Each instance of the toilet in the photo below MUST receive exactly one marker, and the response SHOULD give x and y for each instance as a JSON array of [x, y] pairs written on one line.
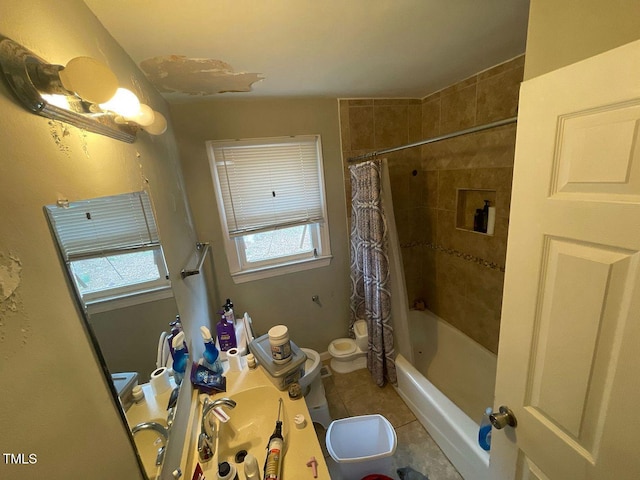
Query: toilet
[[311, 368], [347, 354], [313, 389]]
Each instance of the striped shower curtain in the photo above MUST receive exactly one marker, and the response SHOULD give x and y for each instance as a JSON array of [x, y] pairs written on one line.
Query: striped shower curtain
[[370, 283]]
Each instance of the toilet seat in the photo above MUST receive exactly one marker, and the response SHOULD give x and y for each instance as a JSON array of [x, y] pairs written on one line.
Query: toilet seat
[[342, 347]]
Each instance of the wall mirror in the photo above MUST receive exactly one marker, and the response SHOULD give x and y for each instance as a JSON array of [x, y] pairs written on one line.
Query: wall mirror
[[114, 260]]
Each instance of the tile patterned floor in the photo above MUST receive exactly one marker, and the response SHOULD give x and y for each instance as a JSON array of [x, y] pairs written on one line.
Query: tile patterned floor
[[354, 394]]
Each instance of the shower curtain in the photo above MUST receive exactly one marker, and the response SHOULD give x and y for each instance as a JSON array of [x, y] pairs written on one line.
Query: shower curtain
[[370, 282]]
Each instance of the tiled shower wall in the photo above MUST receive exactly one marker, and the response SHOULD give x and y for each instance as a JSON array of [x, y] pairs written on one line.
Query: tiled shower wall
[[456, 273]]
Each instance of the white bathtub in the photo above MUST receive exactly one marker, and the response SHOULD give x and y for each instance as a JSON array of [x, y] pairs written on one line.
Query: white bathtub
[[464, 369], [461, 366]]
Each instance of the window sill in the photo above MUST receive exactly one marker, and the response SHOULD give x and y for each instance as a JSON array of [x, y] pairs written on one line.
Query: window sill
[[128, 300], [283, 269]]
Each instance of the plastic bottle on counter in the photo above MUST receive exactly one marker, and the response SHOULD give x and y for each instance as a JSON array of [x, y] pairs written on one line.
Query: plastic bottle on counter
[[176, 327], [280, 345], [228, 312], [251, 468], [226, 471], [180, 357], [211, 355], [226, 334]]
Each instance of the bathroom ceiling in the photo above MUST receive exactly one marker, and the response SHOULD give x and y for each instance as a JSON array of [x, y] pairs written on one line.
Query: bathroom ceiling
[[327, 48]]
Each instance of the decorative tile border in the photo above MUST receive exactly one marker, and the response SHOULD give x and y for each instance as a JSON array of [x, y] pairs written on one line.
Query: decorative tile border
[[452, 251]]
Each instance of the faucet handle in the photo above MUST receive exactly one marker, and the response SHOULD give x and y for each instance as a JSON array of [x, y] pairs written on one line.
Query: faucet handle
[[204, 448], [160, 456], [170, 416]]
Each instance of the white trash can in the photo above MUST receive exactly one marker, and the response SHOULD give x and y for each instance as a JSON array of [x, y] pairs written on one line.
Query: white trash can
[[361, 445]]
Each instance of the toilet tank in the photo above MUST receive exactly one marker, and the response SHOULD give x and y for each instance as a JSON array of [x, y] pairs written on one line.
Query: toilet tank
[[362, 335]]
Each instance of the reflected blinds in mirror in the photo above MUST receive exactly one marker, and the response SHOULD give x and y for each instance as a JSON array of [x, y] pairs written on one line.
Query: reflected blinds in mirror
[[100, 226]]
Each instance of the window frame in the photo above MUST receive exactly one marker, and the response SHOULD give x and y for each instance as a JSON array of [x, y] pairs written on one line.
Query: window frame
[[123, 295], [240, 269]]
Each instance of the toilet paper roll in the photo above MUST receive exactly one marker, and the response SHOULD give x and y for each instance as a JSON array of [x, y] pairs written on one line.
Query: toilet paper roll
[[160, 381], [235, 360]]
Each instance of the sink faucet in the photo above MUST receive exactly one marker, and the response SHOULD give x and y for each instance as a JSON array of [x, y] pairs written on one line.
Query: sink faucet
[[205, 439], [156, 427]]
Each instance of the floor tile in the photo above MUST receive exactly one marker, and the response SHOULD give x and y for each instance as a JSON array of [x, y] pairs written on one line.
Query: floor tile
[[337, 408], [416, 449], [373, 399], [355, 393]]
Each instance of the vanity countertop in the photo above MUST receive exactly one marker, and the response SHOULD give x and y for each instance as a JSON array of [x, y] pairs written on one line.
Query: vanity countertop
[[152, 409], [300, 446]]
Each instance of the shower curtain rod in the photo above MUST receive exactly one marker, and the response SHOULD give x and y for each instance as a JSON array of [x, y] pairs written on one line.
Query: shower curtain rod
[[479, 128]]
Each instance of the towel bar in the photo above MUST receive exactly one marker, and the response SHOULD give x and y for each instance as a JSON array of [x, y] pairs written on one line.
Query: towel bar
[[204, 248]]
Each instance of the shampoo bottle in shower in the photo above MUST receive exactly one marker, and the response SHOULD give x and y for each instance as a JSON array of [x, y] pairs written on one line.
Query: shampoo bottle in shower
[[484, 434], [485, 216], [211, 355], [478, 220]]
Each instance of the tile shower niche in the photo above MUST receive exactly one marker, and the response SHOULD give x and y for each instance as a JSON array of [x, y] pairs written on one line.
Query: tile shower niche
[[468, 201]]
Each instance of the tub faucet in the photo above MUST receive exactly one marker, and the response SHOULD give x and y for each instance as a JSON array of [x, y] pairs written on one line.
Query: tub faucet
[[205, 439]]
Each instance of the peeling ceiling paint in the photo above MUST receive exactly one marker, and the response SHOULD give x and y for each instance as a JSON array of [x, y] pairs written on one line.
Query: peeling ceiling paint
[[196, 76], [328, 48]]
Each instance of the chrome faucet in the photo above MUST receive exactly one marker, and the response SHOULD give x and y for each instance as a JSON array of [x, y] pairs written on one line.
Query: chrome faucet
[[206, 444], [156, 427]]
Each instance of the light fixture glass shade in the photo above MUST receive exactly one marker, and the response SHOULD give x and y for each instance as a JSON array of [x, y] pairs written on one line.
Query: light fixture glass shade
[[124, 103], [90, 79], [144, 117], [159, 125]]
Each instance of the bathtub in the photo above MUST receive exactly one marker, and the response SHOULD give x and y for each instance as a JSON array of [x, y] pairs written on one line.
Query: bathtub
[[468, 371], [462, 368]]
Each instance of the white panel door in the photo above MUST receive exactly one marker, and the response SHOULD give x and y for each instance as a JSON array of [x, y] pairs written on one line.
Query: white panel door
[[569, 358]]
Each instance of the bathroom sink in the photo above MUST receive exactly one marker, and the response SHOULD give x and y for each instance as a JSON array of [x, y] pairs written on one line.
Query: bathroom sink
[[251, 424], [249, 427]]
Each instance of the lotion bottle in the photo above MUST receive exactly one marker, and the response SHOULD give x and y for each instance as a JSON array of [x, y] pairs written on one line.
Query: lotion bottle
[[226, 335]]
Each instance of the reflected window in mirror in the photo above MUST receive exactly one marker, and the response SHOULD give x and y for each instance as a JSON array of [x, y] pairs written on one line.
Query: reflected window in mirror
[[112, 248]]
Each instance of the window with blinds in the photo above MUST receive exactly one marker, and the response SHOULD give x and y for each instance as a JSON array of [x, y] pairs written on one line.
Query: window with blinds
[[271, 200], [111, 245]]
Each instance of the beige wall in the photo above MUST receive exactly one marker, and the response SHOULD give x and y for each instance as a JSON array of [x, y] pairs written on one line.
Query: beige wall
[[562, 32], [457, 273], [128, 336], [55, 402], [283, 299]]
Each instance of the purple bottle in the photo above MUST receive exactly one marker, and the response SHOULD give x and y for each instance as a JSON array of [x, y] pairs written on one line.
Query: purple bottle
[[226, 334]]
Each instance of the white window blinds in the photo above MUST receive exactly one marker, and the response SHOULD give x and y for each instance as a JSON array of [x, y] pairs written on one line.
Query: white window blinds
[[269, 183], [104, 225]]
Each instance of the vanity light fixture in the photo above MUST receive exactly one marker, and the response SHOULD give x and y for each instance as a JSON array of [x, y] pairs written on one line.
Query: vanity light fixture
[[84, 93]]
